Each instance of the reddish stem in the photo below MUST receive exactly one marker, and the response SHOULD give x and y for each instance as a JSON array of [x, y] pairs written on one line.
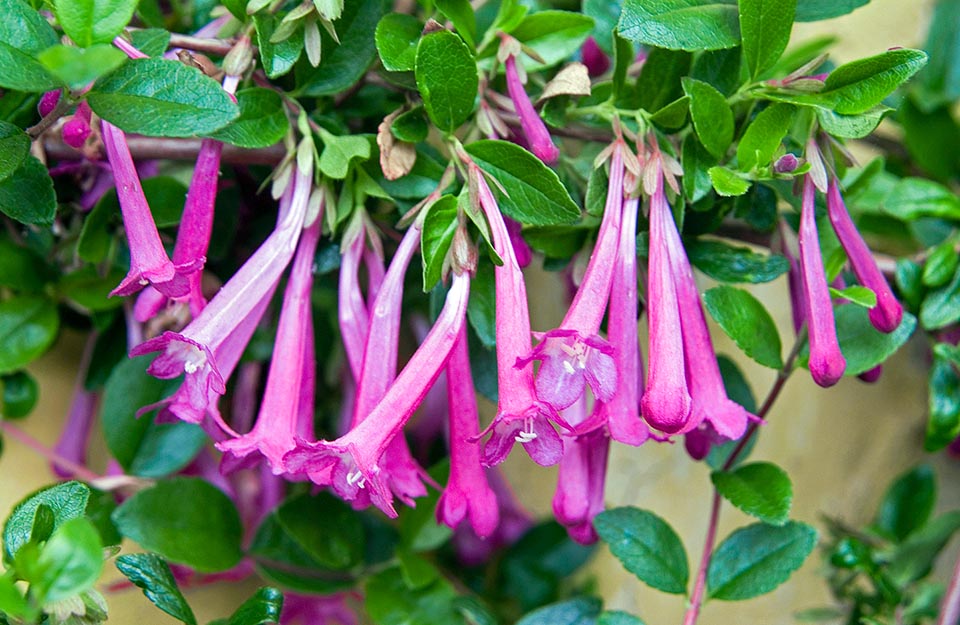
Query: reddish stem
[[79, 470]]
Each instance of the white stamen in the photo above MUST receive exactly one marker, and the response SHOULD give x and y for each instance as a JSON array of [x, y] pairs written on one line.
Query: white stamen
[[356, 477], [525, 437], [569, 367]]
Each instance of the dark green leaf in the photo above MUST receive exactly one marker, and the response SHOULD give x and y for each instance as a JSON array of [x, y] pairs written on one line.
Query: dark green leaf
[[149, 572], [397, 37], [263, 607], [185, 520], [20, 393], [681, 24], [747, 322], [760, 489], [460, 12], [554, 35], [711, 115], [27, 194], [14, 148], [325, 527], [166, 448], [816, 10], [858, 86], [417, 572], [916, 556], [719, 68], [277, 58], [755, 559], [262, 121], [151, 41], [69, 563], [22, 269], [24, 33], [438, 228], [447, 78], [389, 601], [738, 390], [941, 264], [765, 27], [343, 64], [481, 309], [943, 424], [659, 80], [940, 82], [162, 98], [28, 327], [86, 288], [696, 165], [913, 198], [411, 126], [864, 346], [763, 136], [88, 22], [536, 566], [78, 67], [908, 503], [727, 182], [672, 115], [419, 529], [67, 501], [646, 546], [535, 195], [851, 126], [726, 263], [579, 611]]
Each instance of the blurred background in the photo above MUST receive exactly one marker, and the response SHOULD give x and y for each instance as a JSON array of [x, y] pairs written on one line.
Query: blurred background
[[841, 446]]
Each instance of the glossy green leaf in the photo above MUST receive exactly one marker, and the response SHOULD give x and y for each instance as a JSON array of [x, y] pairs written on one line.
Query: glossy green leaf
[[27, 194], [646, 546], [864, 346], [28, 327], [163, 98], [681, 24], [262, 608], [89, 22], [151, 41], [856, 294], [397, 37], [764, 135], [78, 67], [262, 121], [913, 198], [24, 33], [553, 35], [711, 115], [719, 68], [851, 126], [744, 319], [941, 264], [696, 163], [659, 82], [727, 182], [535, 195], [755, 559], [765, 27], [673, 115], [411, 126], [14, 148], [943, 422], [816, 10], [447, 78], [277, 58], [726, 263], [185, 520], [151, 574], [908, 503], [343, 64], [577, 611], [438, 229], [760, 489], [66, 501], [860, 85], [325, 527], [20, 394], [70, 561], [389, 601], [461, 13]]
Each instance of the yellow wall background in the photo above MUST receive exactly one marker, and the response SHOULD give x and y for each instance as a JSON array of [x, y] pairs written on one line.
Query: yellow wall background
[[841, 446]]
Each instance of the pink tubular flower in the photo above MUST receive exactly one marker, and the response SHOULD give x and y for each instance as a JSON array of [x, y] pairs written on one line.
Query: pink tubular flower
[[209, 348], [467, 491], [535, 131], [354, 458], [317, 610], [288, 397], [666, 402], [888, 312], [351, 308], [521, 417], [827, 363], [574, 355], [149, 263]]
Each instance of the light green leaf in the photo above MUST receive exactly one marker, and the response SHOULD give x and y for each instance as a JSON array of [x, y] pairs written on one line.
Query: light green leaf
[[554, 35], [340, 151], [856, 294], [760, 489], [913, 198], [65, 501], [851, 126], [681, 24], [858, 86], [764, 135], [78, 67], [712, 116], [461, 13], [262, 121], [727, 182], [447, 78], [863, 346], [89, 22], [397, 37]]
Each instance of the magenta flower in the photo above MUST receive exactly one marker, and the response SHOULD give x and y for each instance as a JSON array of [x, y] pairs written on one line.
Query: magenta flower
[[317, 609], [289, 395], [594, 58], [354, 459], [574, 355], [534, 130], [514, 523], [827, 363], [76, 129], [666, 402], [520, 247], [352, 310], [521, 417], [467, 491], [888, 312]]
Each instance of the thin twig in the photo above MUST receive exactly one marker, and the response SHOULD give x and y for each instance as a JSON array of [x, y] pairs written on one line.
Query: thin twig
[[63, 105], [199, 44]]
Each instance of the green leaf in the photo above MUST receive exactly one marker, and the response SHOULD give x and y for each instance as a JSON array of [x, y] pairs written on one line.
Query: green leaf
[[20, 393], [28, 327], [22, 269], [78, 67], [12, 602], [277, 58], [858, 86], [764, 135], [578, 611], [69, 563], [554, 35], [151, 41], [696, 163], [447, 78], [185, 520], [27, 194], [864, 346], [727, 182], [460, 12], [14, 148], [150, 573], [535, 195], [765, 27], [913, 198], [263, 607], [681, 24], [66, 501], [659, 80], [162, 98], [859, 295], [419, 529], [672, 115], [939, 83], [481, 309], [397, 37], [438, 229], [411, 126], [941, 265], [343, 64], [851, 126], [24, 33], [915, 558], [618, 617], [760, 489], [90, 290], [816, 10], [726, 263], [340, 151], [646, 546], [943, 424], [908, 503], [165, 195], [719, 69], [711, 115], [755, 559], [744, 319], [89, 22], [262, 121], [325, 527], [389, 601]]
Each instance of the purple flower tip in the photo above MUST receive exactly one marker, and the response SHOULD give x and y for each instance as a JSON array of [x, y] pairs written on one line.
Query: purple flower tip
[[594, 58], [786, 164], [48, 102]]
